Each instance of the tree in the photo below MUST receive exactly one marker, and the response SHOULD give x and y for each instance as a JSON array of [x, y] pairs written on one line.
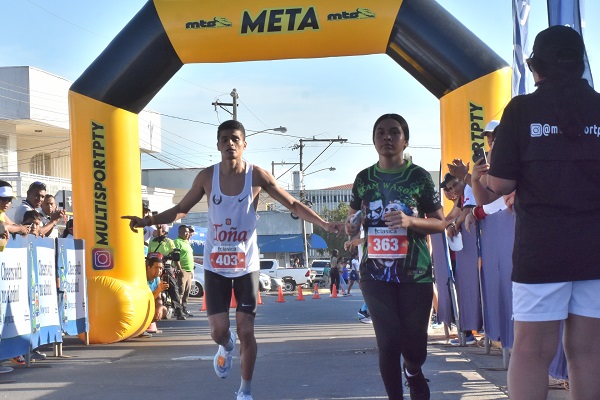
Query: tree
[[333, 240]]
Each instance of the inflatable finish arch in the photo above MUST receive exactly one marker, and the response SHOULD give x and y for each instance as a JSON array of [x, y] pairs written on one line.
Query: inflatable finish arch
[[471, 81]]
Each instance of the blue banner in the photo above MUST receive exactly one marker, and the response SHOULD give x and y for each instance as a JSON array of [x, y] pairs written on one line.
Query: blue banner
[[73, 306], [568, 13], [15, 321], [45, 323], [520, 10]]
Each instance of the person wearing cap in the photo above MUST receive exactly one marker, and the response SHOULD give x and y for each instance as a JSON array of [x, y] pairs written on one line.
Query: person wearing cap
[[9, 226], [231, 256], [547, 147], [184, 266]]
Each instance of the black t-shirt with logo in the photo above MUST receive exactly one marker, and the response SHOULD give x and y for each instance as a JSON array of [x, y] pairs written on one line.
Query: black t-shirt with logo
[[557, 203], [377, 191]]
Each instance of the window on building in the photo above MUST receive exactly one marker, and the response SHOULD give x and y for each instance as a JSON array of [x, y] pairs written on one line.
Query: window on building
[[3, 153], [40, 164]]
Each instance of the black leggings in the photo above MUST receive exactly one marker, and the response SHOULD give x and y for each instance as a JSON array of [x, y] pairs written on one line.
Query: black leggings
[[335, 280], [400, 315]]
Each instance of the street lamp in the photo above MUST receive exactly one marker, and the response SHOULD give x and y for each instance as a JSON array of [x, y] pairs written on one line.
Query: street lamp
[[281, 129], [319, 170]]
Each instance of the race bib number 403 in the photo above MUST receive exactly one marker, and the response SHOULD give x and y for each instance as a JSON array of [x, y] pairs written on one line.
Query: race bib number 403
[[227, 258], [387, 243]]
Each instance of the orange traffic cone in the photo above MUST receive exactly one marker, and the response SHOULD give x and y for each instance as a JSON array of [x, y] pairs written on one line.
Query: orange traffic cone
[[316, 296], [333, 294], [300, 294], [203, 302], [280, 298], [259, 301], [233, 303]]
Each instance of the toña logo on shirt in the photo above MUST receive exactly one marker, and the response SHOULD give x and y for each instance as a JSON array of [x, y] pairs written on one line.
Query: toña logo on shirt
[[230, 236]]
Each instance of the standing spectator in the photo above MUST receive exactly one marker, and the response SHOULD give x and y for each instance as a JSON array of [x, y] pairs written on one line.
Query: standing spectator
[[231, 255], [149, 231], [334, 272], [184, 266], [34, 200], [68, 232], [154, 270], [395, 196], [50, 217], [548, 148], [354, 264], [6, 197], [160, 243], [33, 220], [464, 203], [35, 196], [343, 269]]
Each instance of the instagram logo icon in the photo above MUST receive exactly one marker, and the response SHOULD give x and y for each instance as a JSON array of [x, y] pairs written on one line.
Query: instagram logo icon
[[102, 258]]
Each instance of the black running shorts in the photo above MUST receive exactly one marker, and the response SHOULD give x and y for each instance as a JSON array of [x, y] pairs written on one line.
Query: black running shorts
[[217, 292]]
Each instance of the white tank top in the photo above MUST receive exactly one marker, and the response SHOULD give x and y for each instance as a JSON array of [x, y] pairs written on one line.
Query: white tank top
[[231, 247]]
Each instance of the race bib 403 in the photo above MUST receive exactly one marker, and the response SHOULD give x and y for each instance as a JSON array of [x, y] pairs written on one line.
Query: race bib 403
[[387, 243], [227, 258]]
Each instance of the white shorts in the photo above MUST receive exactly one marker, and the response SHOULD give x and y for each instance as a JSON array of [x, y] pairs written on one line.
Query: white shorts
[[535, 302]]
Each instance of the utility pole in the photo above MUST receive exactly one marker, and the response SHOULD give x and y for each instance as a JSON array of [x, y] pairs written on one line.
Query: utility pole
[[233, 104], [301, 167]]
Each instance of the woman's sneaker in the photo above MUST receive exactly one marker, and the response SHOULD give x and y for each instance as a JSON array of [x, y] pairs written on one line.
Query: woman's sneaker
[[223, 358], [469, 340], [419, 389]]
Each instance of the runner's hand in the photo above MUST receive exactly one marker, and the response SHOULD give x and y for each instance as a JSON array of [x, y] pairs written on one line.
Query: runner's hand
[[134, 222], [397, 219]]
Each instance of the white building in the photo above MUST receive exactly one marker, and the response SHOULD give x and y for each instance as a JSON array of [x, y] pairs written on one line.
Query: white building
[[34, 133]]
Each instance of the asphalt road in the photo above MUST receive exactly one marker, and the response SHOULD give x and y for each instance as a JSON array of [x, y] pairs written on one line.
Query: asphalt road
[[312, 349]]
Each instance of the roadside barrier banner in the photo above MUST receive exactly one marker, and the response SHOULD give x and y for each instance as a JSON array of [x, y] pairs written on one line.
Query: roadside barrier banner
[[442, 276], [467, 283], [45, 322], [15, 320], [497, 239], [73, 288]]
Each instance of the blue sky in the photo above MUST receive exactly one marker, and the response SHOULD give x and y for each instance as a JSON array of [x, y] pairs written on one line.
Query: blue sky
[[321, 98]]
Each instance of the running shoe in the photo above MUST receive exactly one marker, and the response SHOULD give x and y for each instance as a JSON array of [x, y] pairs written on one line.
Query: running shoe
[[366, 320], [244, 396], [469, 340], [419, 389], [222, 361], [37, 355], [19, 360]]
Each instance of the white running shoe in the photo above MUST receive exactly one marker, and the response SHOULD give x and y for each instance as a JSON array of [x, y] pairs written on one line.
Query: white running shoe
[[244, 396], [222, 360], [366, 320]]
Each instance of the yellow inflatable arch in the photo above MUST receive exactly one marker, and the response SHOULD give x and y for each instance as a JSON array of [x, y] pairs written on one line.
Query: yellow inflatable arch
[[471, 81]]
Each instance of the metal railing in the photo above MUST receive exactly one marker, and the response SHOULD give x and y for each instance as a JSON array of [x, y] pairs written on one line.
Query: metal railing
[[20, 182]]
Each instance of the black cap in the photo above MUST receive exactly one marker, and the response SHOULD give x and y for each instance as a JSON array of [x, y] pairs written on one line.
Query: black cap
[[447, 179], [557, 45]]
